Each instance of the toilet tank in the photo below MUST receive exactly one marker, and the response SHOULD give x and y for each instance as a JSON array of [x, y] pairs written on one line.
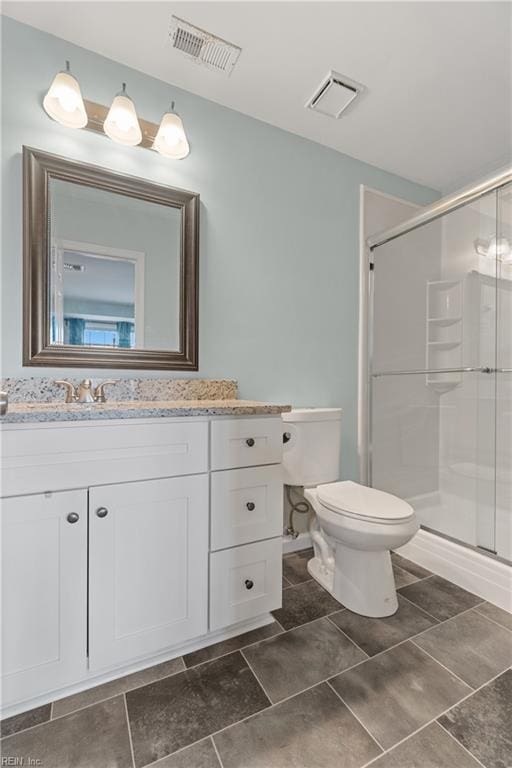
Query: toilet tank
[[311, 446]]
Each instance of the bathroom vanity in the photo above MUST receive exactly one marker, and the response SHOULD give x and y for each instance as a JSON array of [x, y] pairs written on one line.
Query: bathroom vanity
[[127, 540]]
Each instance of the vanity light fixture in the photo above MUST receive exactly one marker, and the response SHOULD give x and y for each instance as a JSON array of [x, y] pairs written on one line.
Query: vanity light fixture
[[119, 122], [64, 102], [498, 248], [122, 123], [171, 140]]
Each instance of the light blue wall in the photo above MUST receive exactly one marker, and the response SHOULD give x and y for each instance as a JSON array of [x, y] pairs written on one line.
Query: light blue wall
[[279, 227]]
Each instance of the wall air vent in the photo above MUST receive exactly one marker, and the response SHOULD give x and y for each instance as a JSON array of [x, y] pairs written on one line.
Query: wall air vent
[[334, 95], [202, 47]]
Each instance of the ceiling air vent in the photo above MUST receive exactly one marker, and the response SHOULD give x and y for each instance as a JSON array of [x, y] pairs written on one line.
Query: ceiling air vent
[[202, 47], [334, 95]]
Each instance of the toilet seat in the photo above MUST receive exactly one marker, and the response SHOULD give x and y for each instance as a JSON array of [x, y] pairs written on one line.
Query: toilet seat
[[349, 499]]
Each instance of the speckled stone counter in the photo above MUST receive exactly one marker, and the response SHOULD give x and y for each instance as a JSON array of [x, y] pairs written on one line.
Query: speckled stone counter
[[149, 409], [38, 389]]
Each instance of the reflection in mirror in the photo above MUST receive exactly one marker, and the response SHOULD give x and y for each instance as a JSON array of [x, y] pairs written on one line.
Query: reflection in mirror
[[114, 269]]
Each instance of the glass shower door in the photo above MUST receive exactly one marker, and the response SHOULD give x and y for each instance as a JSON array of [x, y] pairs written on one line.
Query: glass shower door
[[433, 409], [504, 375]]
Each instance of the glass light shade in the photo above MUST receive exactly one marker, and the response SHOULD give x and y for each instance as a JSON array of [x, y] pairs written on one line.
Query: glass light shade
[[499, 247], [495, 248], [64, 102], [171, 140], [121, 123]]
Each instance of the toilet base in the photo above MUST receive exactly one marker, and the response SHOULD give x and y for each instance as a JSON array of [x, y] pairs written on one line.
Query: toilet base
[[364, 583]]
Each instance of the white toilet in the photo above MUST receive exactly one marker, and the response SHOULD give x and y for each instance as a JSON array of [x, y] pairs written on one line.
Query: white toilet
[[355, 527]]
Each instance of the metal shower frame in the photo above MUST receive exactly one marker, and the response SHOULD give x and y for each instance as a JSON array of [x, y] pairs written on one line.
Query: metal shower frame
[[430, 213]]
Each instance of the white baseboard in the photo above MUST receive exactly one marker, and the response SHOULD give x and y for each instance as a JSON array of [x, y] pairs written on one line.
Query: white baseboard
[[303, 541], [486, 577]]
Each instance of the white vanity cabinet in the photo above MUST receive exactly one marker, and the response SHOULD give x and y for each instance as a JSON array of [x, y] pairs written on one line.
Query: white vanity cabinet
[[148, 567], [172, 542], [44, 592]]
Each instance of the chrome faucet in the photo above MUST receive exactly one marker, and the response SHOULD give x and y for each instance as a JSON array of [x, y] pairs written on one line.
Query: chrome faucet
[[4, 403], [84, 392]]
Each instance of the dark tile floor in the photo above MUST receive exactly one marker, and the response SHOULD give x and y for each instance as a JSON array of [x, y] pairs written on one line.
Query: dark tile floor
[[321, 687]]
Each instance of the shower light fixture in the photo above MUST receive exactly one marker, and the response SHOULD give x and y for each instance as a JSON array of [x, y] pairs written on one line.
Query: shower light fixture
[[122, 123], [495, 248], [171, 140], [64, 102]]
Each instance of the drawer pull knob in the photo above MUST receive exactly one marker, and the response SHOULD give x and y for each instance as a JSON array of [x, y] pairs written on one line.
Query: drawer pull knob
[[250, 441], [249, 583], [251, 506], [287, 437], [102, 512], [73, 517]]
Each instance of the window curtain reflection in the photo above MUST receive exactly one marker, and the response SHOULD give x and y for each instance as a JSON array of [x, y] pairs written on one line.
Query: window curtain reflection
[[124, 332], [74, 328]]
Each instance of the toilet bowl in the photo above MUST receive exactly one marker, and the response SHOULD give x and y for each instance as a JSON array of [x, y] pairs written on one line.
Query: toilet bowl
[[353, 532]]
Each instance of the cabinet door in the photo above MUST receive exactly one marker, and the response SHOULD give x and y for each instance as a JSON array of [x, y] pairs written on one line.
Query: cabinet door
[[44, 593], [148, 567]]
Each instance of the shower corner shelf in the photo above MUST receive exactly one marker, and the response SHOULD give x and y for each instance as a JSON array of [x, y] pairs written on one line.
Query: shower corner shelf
[[443, 385], [443, 347]]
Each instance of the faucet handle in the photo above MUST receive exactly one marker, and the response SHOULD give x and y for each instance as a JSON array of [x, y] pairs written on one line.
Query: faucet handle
[[99, 392], [71, 396]]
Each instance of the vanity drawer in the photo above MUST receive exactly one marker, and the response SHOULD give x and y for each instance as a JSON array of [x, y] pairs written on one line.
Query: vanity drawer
[[246, 505], [54, 457], [245, 582], [246, 442]]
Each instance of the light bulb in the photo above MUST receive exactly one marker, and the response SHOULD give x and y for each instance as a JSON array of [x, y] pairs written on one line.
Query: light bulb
[[64, 102], [495, 248], [121, 123], [171, 140]]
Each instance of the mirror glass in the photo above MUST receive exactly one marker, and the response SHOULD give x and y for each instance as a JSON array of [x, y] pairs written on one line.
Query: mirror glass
[[115, 269]]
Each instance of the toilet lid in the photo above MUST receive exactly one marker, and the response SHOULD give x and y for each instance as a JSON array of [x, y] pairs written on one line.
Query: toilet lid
[[355, 500]]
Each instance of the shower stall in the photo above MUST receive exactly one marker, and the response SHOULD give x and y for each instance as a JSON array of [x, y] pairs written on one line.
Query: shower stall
[[440, 366]]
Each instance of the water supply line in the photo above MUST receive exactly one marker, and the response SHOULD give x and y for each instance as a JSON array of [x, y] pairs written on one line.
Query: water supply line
[[302, 506]]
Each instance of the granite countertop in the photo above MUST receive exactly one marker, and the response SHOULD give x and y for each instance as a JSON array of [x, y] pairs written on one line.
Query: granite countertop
[[135, 409]]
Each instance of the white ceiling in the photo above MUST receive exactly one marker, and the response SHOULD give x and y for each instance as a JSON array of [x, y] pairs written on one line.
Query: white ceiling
[[437, 108]]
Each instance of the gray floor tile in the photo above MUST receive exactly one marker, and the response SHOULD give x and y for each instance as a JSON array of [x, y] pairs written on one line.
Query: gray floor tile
[[375, 635], [402, 578], [305, 602], [95, 736], [482, 723], [232, 644], [301, 657], [430, 748], [286, 583], [496, 614], [397, 692], [471, 646], [115, 687], [25, 720], [295, 566], [311, 730], [200, 755], [409, 566], [439, 597], [179, 710]]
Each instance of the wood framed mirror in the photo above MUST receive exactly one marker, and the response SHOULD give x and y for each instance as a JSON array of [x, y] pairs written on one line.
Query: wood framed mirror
[[110, 274]]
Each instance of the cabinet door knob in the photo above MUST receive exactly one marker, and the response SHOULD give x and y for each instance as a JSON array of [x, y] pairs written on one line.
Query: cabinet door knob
[[102, 512], [251, 506], [250, 441], [73, 517], [249, 584]]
